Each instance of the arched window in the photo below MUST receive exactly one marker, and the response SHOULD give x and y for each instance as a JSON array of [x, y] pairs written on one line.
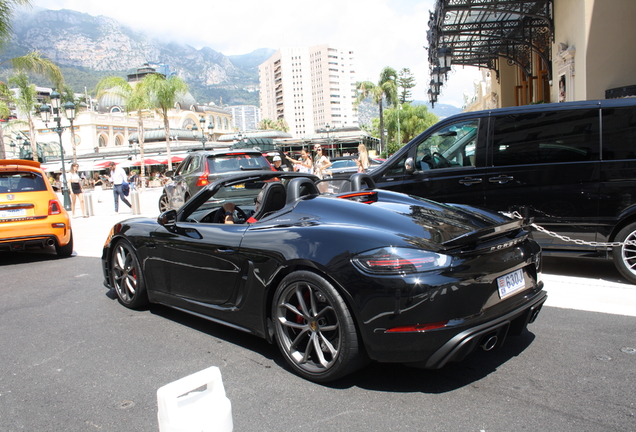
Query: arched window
[[118, 140], [103, 141], [218, 122]]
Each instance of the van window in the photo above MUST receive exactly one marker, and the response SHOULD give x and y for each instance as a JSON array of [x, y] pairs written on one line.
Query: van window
[[451, 146], [619, 133], [546, 137]]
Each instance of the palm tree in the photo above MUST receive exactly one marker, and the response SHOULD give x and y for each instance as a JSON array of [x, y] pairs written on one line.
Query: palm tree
[[135, 98], [32, 62], [386, 89], [163, 94], [267, 124], [26, 101]]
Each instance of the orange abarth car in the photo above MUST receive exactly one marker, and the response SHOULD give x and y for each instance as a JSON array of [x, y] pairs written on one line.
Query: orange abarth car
[[31, 214]]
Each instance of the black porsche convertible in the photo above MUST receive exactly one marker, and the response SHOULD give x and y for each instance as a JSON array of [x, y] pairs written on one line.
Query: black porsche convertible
[[336, 272]]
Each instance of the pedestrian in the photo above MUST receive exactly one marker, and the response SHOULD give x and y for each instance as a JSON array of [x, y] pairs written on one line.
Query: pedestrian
[[118, 177], [304, 164], [77, 192], [363, 158], [321, 163], [99, 186], [277, 163]]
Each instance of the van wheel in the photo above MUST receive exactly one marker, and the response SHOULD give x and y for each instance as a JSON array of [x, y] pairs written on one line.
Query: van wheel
[[625, 256]]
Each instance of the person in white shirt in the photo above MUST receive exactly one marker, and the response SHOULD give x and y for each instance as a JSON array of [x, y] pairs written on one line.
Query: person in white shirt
[[118, 177]]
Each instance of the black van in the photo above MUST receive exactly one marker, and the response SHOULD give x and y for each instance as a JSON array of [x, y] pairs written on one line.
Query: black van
[[571, 166]]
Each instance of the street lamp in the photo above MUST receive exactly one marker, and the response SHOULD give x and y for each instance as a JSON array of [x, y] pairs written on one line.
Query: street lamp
[[329, 150], [133, 146], [45, 113]]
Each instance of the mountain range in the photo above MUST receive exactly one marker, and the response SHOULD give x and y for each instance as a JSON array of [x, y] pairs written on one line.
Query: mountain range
[[88, 48]]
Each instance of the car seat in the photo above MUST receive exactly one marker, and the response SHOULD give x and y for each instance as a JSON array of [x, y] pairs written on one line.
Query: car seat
[[300, 187], [272, 198]]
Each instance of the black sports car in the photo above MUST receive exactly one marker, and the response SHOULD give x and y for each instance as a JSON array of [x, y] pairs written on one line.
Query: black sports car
[[335, 278]]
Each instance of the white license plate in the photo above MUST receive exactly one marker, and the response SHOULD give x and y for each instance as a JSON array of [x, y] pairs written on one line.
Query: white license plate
[[510, 283], [12, 213]]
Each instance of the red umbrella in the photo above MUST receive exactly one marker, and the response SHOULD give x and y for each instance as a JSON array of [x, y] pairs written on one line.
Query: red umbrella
[[147, 161], [102, 164], [174, 159]]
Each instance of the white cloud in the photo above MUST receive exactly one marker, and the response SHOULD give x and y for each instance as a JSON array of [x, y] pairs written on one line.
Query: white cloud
[[380, 32]]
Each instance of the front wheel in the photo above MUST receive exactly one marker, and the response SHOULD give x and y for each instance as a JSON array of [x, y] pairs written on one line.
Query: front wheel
[[625, 255], [128, 279], [314, 329]]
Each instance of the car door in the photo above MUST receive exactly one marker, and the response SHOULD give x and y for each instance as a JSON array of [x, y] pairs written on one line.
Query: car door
[[548, 162], [448, 164], [200, 262], [618, 169]]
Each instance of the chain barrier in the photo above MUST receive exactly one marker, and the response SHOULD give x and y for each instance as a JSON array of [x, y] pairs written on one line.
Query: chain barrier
[[565, 238]]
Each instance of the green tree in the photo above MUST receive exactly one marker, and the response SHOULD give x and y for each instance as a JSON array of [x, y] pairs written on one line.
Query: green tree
[[267, 124], [26, 101], [163, 94], [32, 62], [135, 99], [406, 81], [385, 90], [282, 125], [413, 120]]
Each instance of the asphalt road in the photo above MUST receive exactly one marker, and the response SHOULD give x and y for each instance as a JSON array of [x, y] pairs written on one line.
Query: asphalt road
[[74, 359]]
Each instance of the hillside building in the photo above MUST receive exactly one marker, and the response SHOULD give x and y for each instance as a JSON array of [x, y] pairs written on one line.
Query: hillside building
[[245, 117], [310, 88]]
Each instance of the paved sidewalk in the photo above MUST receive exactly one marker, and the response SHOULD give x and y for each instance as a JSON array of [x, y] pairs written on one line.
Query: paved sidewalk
[[566, 289], [89, 234]]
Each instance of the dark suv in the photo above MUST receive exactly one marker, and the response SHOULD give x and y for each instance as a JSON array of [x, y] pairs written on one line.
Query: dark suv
[[203, 167], [571, 166]]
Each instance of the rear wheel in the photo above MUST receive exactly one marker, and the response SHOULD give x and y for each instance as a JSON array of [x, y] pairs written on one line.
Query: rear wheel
[[164, 203], [128, 279], [625, 256], [66, 250], [314, 329]]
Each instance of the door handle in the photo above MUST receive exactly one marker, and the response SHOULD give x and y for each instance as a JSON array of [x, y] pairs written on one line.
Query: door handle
[[501, 179], [225, 250], [467, 181]]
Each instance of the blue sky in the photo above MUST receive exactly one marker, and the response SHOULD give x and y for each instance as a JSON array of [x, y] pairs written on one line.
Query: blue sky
[[380, 32]]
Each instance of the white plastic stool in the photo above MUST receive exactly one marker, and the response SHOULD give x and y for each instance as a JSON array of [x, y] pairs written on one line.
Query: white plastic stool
[[196, 403]]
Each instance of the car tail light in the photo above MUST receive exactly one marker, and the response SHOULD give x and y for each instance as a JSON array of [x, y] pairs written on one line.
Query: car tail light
[[54, 207], [203, 178], [396, 261], [366, 197], [418, 327]]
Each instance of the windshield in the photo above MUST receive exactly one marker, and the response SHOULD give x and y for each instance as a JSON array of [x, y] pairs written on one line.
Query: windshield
[[236, 162], [21, 182]]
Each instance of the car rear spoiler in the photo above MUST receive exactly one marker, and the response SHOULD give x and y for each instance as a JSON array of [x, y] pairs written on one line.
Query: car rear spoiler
[[485, 234]]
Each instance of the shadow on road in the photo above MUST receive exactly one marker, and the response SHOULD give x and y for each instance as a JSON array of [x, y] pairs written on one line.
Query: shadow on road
[[591, 268], [387, 377]]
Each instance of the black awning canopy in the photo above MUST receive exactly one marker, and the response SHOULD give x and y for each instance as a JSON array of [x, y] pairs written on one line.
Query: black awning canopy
[[480, 32]]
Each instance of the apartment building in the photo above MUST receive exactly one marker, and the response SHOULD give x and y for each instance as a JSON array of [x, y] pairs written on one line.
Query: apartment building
[[309, 87], [245, 117]]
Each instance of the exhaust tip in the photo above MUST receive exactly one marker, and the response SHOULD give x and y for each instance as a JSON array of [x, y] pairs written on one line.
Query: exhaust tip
[[50, 242], [489, 343]]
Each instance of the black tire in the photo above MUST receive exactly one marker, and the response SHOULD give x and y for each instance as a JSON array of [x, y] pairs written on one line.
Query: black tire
[[128, 278], [625, 256], [66, 250], [164, 203], [314, 330]]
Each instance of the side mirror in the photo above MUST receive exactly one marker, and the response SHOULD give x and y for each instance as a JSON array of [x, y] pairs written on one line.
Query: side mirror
[[169, 174], [168, 219], [409, 165]]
